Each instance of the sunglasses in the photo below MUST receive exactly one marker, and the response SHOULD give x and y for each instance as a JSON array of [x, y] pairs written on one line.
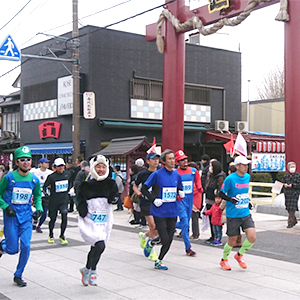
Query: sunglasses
[[60, 166], [24, 159]]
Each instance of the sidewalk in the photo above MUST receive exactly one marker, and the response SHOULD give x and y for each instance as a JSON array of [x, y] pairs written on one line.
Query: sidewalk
[[124, 272]]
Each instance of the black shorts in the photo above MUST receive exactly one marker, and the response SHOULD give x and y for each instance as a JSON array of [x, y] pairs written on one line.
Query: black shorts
[[145, 205], [234, 225], [54, 209]]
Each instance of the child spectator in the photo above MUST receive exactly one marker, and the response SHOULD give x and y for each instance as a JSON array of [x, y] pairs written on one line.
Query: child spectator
[[216, 212]]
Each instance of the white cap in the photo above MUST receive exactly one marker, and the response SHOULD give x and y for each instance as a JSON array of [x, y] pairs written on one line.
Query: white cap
[[139, 162], [59, 161], [241, 160]]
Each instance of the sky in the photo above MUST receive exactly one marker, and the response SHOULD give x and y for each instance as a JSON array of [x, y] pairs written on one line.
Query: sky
[[260, 38]]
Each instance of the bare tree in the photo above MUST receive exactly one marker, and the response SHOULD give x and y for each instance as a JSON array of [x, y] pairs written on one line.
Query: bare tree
[[272, 86]]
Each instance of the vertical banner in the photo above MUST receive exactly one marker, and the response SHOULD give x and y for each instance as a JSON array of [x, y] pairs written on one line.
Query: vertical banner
[[89, 105]]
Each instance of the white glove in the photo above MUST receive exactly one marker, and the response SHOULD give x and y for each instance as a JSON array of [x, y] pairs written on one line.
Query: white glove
[[157, 202], [72, 192], [181, 194]]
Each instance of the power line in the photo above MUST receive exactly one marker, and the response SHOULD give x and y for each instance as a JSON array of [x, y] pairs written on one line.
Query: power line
[[126, 19], [15, 14], [89, 15]]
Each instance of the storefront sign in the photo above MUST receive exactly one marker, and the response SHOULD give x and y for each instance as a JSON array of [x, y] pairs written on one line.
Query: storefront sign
[[65, 95], [268, 162], [49, 129], [89, 106]]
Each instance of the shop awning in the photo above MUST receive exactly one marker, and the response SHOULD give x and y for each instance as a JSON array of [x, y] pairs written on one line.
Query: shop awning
[[145, 125], [51, 148], [124, 146]]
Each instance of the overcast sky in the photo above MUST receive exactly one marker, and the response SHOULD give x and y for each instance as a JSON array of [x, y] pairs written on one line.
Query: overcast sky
[[259, 38]]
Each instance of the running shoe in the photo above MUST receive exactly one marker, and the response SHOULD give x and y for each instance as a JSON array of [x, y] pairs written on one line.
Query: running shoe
[[225, 265], [50, 240], [85, 276], [63, 240], [93, 277], [142, 240], [194, 238], [240, 259], [190, 252], [216, 243], [148, 248], [153, 256], [210, 240], [160, 266], [19, 281], [39, 230]]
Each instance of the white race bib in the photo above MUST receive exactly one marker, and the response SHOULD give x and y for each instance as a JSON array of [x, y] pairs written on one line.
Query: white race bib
[[169, 194], [21, 195], [99, 217], [61, 186], [243, 200], [187, 187]]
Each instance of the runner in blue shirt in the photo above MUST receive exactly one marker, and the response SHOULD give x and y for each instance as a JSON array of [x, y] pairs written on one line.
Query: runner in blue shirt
[[235, 191], [166, 185]]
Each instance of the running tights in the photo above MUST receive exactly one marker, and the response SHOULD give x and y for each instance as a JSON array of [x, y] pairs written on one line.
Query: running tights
[[94, 255], [165, 228], [63, 225]]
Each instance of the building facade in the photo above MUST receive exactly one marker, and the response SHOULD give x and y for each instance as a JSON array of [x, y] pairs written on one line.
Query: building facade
[[125, 73]]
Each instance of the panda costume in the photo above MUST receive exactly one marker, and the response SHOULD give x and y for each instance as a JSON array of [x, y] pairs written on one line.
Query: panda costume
[[95, 218]]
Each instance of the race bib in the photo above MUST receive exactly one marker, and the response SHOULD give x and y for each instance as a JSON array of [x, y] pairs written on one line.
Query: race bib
[[187, 187], [21, 195], [169, 194], [243, 200], [61, 186], [99, 217]]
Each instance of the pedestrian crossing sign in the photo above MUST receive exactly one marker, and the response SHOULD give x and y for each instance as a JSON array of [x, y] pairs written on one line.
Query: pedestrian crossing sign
[[9, 50]]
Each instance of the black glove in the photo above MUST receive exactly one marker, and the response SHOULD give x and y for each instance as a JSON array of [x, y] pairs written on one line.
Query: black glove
[[233, 200], [37, 214], [10, 212]]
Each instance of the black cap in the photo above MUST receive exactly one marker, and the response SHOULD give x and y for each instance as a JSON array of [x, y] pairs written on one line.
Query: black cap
[[205, 157]]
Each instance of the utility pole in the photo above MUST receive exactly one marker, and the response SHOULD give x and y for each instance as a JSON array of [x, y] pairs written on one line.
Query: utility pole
[[76, 85]]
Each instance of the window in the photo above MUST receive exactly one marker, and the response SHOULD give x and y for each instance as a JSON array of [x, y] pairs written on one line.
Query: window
[[11, 121], [149, 89]]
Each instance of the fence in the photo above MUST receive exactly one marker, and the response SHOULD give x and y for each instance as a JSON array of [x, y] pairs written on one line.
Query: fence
[[261, 200]]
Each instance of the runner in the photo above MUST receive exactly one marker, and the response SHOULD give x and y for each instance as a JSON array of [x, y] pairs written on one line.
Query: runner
[[16, 190], [59, 185], [95, 218], [190, 178], [145, 204], [166, 185], [42, 173], [235, 191]]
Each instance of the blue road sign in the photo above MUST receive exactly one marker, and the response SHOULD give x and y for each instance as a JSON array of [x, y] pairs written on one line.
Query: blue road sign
[[9, 50]]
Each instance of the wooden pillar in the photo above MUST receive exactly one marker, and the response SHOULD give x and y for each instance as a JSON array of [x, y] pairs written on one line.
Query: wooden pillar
[[173, 84], [292, 86]]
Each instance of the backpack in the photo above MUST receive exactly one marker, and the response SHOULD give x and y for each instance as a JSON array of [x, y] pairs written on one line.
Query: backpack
[[123, 180]]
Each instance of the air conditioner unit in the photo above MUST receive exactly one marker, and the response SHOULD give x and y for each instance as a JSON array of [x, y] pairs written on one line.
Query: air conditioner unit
[[241, 126], [221, 125]]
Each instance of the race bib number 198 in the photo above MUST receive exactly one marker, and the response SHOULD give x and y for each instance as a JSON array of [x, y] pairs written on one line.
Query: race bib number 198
[[21, 195]]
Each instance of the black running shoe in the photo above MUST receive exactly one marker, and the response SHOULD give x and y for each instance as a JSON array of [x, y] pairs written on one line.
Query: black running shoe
[[19, 281]]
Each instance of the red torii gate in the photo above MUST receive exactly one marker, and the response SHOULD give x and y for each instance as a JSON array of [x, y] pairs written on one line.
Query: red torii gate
[[174, 71]]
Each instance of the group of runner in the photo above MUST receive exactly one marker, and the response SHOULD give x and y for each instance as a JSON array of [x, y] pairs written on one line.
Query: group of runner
[[164, 195]]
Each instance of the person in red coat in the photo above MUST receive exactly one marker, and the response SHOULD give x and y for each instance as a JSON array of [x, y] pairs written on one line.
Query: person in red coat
[[216, 214]]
